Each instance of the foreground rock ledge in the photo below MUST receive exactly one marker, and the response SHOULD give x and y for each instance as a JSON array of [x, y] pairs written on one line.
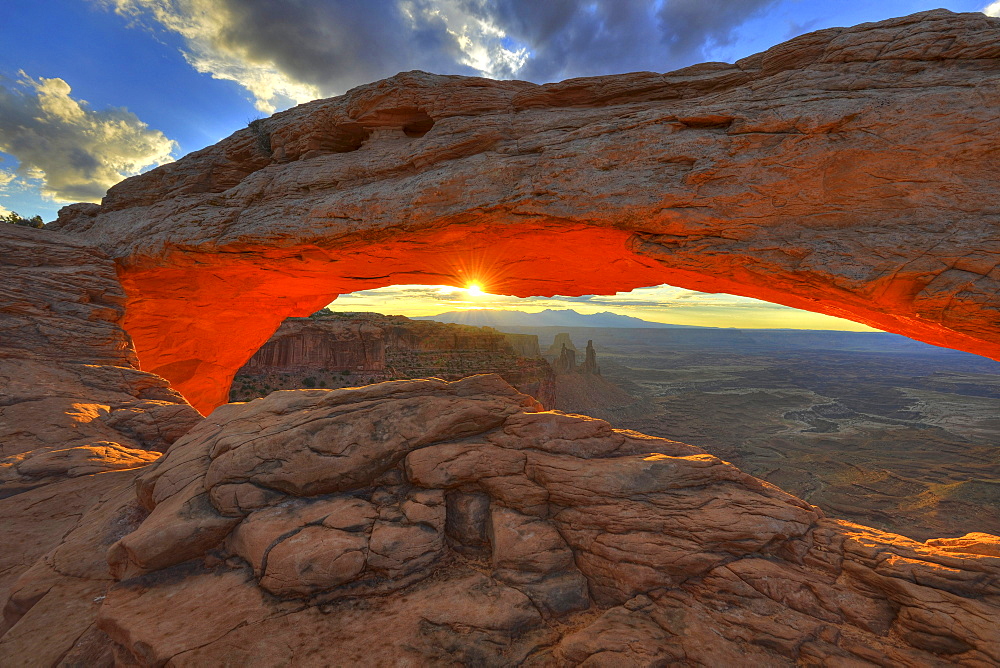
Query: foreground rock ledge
[[849, 171], [424, 522]]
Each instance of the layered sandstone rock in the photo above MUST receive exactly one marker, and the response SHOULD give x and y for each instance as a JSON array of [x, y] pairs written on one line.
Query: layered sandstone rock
[[329, 343], [524, 345], [77, 421], [428, 522], [345, 350], [849, 171], [73, 401], [566, 363], [425, 522]]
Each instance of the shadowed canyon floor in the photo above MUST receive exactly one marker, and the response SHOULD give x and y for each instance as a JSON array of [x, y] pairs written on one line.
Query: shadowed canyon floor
[[870, 427]]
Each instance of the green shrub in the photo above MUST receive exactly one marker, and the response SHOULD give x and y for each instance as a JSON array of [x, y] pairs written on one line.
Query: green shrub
[[15, 219]]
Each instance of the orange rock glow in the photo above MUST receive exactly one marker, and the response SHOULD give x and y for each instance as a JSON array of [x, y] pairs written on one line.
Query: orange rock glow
[[197, 325], [824, 174]]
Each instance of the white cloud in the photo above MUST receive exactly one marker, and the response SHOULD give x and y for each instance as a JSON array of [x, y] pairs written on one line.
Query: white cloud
[[206, 27], [71, 151], [5, 180], [285, 53], [992, 9], [479, 38]]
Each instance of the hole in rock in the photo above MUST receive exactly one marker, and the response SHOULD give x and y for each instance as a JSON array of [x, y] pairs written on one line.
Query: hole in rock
[[872, 427], [418, 127], [709, 122], [342, 139]]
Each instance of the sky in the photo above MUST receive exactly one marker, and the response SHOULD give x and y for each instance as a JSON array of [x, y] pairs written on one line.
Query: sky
[[94, 91], [660, 303]]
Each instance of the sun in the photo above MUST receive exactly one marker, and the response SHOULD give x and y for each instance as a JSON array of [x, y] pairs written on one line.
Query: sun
[[474, 289]]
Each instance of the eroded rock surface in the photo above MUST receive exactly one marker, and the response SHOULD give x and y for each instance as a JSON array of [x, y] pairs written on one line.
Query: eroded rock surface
[[78, 420], [72, 399], [474, 528], [849, 171]]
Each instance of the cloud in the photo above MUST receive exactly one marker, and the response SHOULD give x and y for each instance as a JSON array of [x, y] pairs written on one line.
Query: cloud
[[284, 53], [71, 151], [992, 9], [291, 52], [572, 39]]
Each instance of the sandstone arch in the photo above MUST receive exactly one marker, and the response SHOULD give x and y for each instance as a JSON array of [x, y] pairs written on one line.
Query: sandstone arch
[[851, 172]]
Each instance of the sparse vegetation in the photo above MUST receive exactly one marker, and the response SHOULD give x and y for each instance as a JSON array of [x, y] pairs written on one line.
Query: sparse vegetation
[[15, 219], [261, 135]]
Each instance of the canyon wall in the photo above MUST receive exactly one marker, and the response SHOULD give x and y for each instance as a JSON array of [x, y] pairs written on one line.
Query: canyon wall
[[73, 401], [848, 171], [337, 345], [344, 350]]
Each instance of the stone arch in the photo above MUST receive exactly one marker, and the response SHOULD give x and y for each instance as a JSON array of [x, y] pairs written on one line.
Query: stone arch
[[822, 174]]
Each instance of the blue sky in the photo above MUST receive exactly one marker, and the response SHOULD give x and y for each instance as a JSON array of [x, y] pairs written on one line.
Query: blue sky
[[93, 91]]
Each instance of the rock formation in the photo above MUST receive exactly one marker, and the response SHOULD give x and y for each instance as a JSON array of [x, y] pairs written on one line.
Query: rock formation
[[590, 366], [429, 522], [524, 345], [73, 400], [350, 349], [849, 171], [562, 340], [453, 522], [335, 344], [566, 362], [78, 420]]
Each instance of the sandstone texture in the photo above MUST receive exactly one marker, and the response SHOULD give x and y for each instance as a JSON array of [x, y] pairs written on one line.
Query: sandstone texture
[[423, 522], [332, 350], [78, 420], [849, 171], [428, 522], [73, 400]]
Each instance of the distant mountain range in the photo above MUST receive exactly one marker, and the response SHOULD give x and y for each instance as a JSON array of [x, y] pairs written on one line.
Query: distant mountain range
[[547, 318]]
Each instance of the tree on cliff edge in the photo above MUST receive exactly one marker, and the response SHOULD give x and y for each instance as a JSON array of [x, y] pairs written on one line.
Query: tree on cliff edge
[[14, 218]]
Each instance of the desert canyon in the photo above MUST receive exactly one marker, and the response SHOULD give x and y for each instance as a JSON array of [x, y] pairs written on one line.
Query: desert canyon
[[849, 171]]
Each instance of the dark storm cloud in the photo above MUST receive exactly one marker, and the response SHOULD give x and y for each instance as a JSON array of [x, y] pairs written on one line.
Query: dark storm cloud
[[338, 45], [291, 51], [571, 39]]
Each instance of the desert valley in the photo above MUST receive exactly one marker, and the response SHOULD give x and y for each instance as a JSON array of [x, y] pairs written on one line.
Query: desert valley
[[200, 465]]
